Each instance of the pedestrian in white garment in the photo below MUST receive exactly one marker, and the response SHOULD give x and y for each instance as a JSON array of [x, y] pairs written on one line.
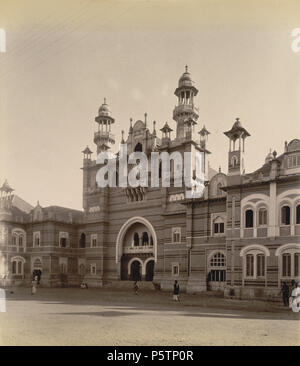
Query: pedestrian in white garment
[[296, 298], [2, 301]]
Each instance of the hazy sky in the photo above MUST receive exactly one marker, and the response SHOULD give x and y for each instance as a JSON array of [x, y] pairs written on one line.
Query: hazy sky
[[62, 60]]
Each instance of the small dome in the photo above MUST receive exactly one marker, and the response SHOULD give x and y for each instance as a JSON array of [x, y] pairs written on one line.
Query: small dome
[[104, 109], [269, 157], [185, 79]]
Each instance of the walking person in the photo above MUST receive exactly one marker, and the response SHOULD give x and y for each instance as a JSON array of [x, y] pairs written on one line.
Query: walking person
[[285, 291], [135, 287], [34, 285], [176, 291]]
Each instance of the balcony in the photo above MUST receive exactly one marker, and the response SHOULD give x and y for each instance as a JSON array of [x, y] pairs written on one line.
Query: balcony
[[104, 135], [185, 108], [138, 249]]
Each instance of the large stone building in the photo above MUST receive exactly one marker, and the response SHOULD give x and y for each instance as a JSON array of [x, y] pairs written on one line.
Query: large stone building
[[242, 236]]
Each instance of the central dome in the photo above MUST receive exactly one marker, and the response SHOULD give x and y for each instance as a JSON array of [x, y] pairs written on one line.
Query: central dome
[[104, 109]]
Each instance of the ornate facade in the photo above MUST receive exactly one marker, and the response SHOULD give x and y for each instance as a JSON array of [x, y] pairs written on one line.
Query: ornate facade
[[241, 237]]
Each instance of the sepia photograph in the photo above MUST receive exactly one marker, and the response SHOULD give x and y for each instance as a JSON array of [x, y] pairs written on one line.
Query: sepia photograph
[[149, 175]]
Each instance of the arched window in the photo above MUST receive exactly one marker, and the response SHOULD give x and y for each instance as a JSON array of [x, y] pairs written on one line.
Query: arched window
[[138, 147], [145, 239], [82, 240], [286, 264], [136, 240], [218, 260], [289, 260], [36, 239], [217, 268], [14, 239], [218, 226], [17, 265], [63, 239], [234, 160], [262, 217], [249, 218], [298, 214], [285, 215], [250, 265], [255, 265]]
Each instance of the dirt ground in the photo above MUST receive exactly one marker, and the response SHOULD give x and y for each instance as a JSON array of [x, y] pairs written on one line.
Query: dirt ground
[[110, 317]]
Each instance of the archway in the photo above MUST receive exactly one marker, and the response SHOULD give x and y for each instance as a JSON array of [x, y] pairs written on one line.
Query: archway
[[150, 270], [136, 271]]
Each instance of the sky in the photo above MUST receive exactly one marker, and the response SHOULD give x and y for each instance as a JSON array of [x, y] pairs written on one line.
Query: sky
[[63, 57]]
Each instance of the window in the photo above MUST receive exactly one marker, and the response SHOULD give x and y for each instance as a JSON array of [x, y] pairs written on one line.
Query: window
[[82, 240], [286, 265], [17, 266], [136, 240], [249, 218], [176, 234], [297, 264], [285, 215], [249, 265], [293, 161], [254, 263], [36, 239], [145, 239], [93, 240], [218, 260], [260, 263], [289, 261], [262, 217], [151, 240], [234, 160], [175, 269], [217, 268], [219, 228], [14, 239], [93, 269], [63, 239], [298, 214]]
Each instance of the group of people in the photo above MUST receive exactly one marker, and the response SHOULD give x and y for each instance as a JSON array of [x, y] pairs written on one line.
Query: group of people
[[291, 295]]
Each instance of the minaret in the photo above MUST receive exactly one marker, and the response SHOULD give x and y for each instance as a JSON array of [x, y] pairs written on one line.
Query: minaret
[[185, 110], [237, 136], [103, 138]]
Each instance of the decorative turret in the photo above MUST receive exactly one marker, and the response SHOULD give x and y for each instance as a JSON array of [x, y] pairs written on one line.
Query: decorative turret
[[269, 157], [6, 198], [185, 110], [203, 137], [103, 138], [166, 133], [236, 151]]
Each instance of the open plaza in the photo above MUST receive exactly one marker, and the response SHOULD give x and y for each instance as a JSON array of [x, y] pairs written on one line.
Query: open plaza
[[118, 317]]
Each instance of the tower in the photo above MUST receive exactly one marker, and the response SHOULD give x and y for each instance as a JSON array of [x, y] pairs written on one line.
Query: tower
[[103, 138], [237, 136], [185, 109]]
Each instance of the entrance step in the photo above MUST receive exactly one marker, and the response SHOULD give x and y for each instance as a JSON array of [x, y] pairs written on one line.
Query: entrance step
[[143, 285]]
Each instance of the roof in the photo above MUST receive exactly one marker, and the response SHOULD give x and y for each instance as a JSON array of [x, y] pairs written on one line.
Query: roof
[[237, 130], [6, 187]]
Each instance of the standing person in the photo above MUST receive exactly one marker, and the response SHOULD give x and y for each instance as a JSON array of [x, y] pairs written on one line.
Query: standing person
[[33, 285], [136, 287], [296, 298], [285, 294], [176, 291]]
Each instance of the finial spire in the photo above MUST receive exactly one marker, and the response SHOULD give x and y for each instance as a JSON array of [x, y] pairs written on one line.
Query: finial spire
[[122, 136], [186, 68], [145, 119]]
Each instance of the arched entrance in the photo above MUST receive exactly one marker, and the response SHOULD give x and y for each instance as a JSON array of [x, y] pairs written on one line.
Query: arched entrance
[[136, 271], [150, 270], [136, 250]]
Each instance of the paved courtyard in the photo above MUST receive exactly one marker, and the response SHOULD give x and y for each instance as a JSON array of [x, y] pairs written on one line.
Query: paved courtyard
[[118, 317]]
